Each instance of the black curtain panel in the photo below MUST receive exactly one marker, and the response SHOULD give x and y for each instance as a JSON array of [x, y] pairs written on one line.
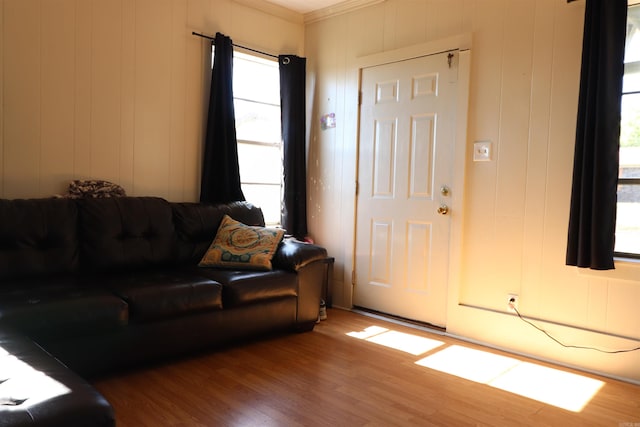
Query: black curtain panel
[[592, 218], [220, 171], [292, 104]]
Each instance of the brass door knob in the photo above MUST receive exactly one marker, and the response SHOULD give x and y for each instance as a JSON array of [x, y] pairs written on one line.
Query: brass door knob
[[443, 209]]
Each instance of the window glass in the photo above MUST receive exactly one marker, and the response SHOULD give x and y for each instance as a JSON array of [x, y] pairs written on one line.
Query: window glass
[[259, 163], [257, 122], [256, 92], [256, 79], [267, 197], [628, 216], [631, 79], [632, 45], [630, 130]]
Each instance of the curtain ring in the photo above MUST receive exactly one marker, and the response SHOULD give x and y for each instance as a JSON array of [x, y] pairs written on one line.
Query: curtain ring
[[286, 60]]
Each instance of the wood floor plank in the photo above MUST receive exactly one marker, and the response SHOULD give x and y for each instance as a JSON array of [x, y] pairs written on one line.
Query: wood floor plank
[[329, 378]]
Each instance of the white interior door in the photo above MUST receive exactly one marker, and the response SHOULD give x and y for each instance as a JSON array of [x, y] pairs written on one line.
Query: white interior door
[[407, 128]]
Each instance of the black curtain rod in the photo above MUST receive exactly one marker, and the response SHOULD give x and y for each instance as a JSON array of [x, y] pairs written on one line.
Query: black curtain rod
[[235, 45]]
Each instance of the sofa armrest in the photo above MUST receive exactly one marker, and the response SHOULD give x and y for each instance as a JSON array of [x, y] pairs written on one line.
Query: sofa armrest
[[293, 254]]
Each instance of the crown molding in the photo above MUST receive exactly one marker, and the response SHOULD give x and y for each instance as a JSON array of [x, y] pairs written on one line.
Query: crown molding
[[273, 9], [338, 9]]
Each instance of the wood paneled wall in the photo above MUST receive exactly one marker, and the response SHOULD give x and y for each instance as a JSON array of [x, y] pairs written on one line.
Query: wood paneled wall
[[525, 70], [116, 89]]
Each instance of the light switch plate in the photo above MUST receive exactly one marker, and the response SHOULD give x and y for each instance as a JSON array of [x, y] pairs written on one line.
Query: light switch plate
[[482, 151]]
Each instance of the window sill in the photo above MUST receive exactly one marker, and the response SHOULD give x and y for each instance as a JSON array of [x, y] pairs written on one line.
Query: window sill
[[626, 269]]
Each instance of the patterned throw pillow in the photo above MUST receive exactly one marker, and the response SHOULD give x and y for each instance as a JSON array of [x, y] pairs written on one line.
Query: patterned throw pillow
[[242, 246], [94, 188]]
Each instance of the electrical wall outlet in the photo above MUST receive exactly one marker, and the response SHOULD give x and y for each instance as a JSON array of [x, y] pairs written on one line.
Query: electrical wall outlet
[[512, 302], [482, 151]]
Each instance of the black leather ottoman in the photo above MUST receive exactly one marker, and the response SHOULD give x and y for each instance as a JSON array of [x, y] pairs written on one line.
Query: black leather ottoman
[[38, 390]]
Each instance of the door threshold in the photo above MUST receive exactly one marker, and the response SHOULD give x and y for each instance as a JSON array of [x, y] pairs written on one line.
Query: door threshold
[[399, 320]]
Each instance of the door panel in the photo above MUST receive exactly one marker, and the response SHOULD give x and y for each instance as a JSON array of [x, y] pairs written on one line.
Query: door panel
[[384, 158], [407, 120], [381, 238], [422, 142]]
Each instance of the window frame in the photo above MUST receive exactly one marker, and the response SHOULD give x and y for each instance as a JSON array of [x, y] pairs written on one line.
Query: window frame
[[625, 181]]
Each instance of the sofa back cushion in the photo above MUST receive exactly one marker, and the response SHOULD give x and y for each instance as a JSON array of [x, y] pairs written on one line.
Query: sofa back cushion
[[197, 224], [37, 237], [126, 233]]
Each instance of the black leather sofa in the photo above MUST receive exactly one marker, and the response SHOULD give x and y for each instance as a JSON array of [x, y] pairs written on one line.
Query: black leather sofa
[[92, 285]]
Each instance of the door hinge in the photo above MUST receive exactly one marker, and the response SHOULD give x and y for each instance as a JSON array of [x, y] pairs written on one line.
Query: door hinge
[[359, 98], [450, 59], [357, 188], [353, 277]]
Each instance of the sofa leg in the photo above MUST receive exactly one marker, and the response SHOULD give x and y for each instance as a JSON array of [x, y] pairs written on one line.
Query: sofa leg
[[305, 327]]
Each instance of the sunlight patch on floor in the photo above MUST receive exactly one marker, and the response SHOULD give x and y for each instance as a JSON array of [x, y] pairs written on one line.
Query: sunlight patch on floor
[[401, 341], [474, 365], [368, 333], [552, 386], [547, 385]]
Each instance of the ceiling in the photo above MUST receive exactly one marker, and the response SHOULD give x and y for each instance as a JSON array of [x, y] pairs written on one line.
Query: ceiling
[[306, 6]]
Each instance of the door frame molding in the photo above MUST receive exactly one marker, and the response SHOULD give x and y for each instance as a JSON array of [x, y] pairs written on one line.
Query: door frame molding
[[462, 43]]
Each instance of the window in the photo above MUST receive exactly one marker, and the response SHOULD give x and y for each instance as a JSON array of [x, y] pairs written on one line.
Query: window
[[627, 222], [256, 93]]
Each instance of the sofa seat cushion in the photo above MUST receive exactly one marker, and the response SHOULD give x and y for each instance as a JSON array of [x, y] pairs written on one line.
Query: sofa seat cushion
[[162, 294], [242, 287], [59, 309], [38, 390]]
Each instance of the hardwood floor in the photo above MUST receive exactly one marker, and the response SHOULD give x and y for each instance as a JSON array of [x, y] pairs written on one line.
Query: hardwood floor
[[329, 377]]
